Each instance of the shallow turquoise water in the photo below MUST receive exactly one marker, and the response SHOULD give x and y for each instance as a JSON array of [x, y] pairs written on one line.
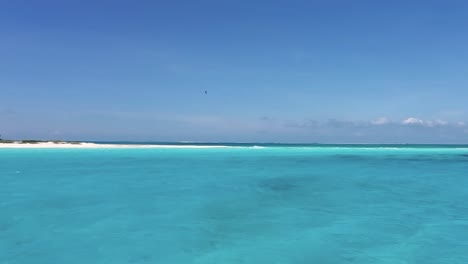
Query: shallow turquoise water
[[234, 205]]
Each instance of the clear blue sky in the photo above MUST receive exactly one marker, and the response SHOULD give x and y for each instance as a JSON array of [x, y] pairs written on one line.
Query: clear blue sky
[[277, 71]]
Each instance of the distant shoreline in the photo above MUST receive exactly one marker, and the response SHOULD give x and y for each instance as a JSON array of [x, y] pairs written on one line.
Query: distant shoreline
[[30, 144]]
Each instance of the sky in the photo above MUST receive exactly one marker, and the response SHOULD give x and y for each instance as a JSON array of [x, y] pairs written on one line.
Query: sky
[[274, 71]]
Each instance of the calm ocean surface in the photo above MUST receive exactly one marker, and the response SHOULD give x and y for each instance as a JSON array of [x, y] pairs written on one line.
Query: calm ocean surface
[[244, 204]]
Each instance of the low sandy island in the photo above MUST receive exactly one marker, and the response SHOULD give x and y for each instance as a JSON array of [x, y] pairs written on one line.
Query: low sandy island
[[94, 145]]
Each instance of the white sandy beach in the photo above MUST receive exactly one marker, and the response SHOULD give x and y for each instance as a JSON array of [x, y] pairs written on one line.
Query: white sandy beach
[[94, 145]]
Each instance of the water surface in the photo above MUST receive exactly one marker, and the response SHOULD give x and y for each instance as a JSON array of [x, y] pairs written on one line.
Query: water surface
[[276, 204]]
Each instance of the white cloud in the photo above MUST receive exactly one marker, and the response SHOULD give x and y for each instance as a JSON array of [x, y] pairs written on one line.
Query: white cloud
[[304, 124], [441, 122], [381, 121], [437, 122], [412, 121], [429, 123], [460, 124]]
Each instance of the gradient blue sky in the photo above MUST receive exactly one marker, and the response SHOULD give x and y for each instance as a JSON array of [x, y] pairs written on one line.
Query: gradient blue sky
[[275, 71]]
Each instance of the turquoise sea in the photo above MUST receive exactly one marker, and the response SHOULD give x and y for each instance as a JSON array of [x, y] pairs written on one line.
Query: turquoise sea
[[240, 204]]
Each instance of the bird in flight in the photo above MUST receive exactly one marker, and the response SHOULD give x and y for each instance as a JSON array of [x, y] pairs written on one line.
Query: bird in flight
[[206, 92]]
